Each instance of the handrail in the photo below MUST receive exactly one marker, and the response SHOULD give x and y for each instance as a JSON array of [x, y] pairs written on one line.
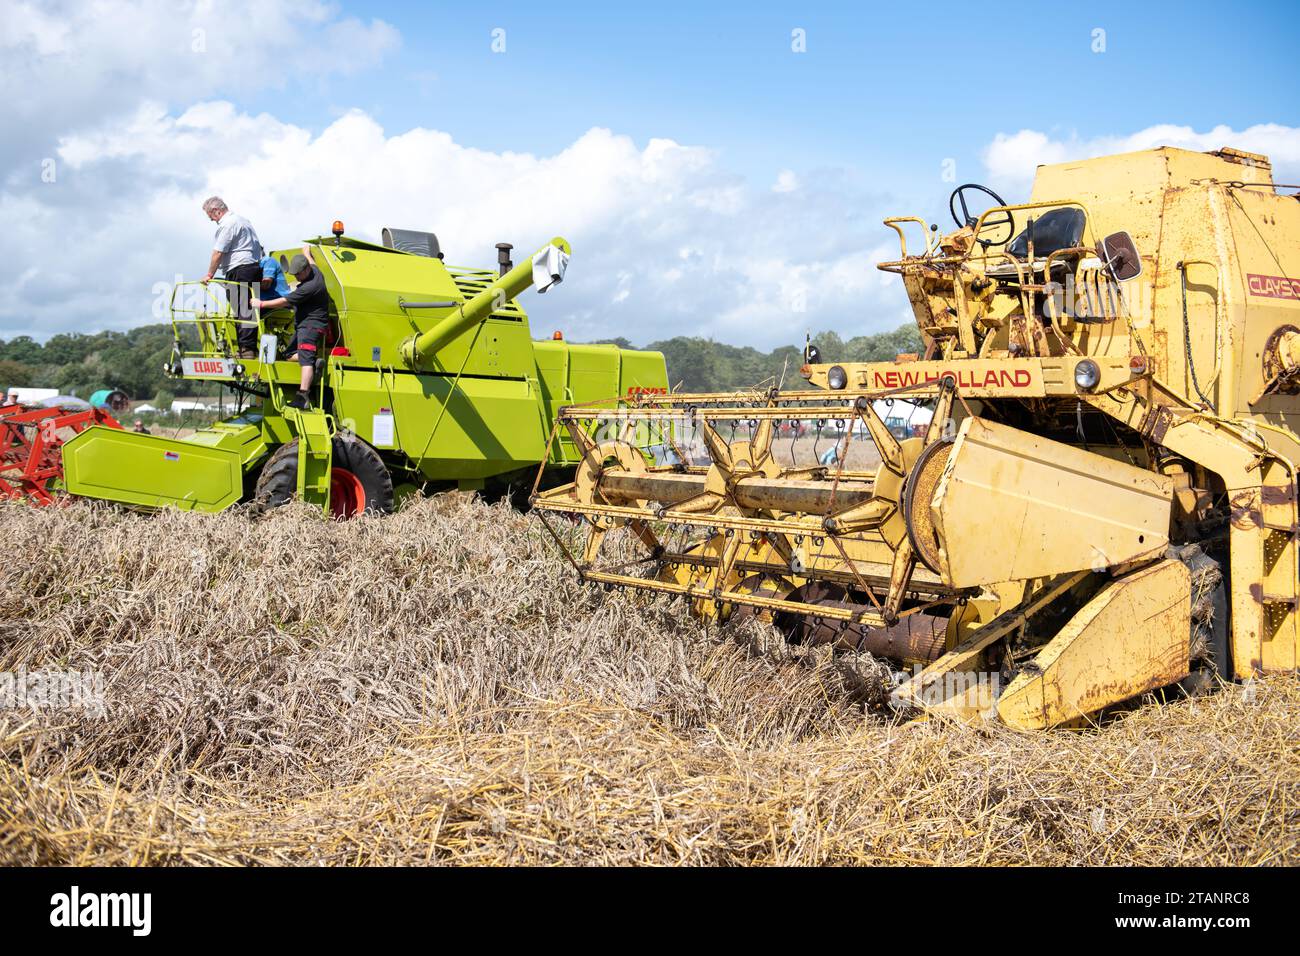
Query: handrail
[[979, 254], [892, 223], [1042, 204], [213, 319]]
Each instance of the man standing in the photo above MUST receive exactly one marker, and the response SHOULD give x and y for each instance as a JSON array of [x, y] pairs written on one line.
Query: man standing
[[311, 310], [236, 252]]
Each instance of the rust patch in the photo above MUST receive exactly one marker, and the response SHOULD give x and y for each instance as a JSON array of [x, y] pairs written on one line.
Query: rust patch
[[1156, 423], [1245, 510], [1277, 494]]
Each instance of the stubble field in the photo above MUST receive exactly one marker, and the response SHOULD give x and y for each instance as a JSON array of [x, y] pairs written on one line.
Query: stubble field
[[435, 687]]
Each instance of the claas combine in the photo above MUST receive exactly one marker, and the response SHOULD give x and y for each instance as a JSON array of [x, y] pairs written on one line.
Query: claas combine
[[1102, 503], [431, 381]]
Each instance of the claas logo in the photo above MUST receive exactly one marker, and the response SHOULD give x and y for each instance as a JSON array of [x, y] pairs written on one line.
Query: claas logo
[[647, 390], [209, 367]]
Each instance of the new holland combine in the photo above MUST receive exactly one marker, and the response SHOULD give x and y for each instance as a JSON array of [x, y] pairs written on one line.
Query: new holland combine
[[1103, 503], [432, 381]]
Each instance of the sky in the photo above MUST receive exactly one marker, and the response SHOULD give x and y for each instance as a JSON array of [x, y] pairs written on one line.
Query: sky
[[721, 170]]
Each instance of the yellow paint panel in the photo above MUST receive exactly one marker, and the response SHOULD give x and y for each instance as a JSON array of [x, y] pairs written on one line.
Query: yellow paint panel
[[1013, 506], [1132, 637]]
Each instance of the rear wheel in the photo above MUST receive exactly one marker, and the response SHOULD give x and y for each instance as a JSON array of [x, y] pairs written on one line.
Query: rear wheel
[[359, 481]]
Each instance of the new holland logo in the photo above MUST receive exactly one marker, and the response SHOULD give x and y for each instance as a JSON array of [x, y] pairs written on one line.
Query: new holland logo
[[1273, 287], [964, 378]]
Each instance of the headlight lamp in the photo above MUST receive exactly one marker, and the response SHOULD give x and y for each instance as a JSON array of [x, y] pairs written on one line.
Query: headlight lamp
[[1087, 374]]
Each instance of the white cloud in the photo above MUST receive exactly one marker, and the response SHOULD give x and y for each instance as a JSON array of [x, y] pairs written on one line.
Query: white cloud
[[786, 182], [666, 241], [1012, 157], [68, 65]]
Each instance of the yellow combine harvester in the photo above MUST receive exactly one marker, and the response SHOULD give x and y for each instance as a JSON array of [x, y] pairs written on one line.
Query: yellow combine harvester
[[1103, 501]]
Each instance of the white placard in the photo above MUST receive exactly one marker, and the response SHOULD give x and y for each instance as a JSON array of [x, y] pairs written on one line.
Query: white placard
[[381, 430], [266, 349], [208, 367]]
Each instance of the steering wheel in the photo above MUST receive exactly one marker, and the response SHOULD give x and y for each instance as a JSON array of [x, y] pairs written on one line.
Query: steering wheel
[[1004, 218]]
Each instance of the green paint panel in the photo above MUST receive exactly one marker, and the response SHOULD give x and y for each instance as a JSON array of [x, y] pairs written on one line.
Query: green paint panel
[[152, 471], [490, 426], [500, 346]]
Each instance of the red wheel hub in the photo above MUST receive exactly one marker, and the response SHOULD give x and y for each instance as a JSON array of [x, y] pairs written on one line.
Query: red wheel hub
[[347, 496]]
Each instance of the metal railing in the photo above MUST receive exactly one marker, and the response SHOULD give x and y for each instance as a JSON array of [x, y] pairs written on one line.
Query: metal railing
[[211, 316]]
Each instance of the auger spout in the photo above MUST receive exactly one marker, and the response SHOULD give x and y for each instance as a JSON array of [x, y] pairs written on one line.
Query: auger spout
[[416, 350]]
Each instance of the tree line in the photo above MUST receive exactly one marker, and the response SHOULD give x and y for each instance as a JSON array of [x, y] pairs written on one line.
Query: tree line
[[79, 364], [703, 365]]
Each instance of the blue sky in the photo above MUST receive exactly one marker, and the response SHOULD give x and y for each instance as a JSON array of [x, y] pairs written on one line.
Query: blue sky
[[887, 89], [714, 181]]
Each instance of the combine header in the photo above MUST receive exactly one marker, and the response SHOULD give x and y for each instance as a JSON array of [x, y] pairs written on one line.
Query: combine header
[[31, 448], [1103, 502]]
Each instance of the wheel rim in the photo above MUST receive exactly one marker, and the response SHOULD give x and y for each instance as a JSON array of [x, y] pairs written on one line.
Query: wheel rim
[[347, 495]]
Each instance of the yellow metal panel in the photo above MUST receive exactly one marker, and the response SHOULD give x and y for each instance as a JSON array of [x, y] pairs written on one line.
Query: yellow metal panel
[[1132, 637], [1013, 506]]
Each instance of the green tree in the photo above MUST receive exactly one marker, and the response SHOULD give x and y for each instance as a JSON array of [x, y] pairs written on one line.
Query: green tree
[[23, 349], [14, 374]]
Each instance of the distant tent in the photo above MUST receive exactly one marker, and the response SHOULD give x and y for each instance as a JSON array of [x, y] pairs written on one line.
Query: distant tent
[[66, 401], [189, 405], [114, 399]]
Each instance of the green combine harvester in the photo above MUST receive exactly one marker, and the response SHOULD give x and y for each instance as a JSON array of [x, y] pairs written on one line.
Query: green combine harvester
[[432, 382]]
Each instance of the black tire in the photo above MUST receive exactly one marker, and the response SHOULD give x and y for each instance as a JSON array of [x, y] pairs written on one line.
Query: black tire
[[359, 481]]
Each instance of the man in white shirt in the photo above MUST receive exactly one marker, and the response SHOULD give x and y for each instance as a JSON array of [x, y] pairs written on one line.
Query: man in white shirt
[[237, 253]]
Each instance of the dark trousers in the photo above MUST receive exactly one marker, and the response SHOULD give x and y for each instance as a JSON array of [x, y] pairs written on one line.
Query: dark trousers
[[249, 277]]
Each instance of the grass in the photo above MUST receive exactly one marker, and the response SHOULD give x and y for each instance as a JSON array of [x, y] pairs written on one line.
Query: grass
[[435, 687]]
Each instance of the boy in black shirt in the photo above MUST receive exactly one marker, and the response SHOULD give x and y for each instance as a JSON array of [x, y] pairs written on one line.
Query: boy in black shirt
[[311, 307]]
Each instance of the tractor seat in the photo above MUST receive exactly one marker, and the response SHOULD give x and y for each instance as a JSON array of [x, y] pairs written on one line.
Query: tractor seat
[[1059, 229]]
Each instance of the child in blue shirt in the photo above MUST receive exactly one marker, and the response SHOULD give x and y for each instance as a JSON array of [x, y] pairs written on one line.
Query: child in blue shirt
[[274, 284]]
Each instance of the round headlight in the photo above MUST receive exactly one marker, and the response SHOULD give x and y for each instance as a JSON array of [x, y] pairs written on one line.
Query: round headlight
[[837, 377], [1087, 374]]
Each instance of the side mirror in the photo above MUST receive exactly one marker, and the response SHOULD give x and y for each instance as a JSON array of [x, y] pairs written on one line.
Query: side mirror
[[1121, 256]]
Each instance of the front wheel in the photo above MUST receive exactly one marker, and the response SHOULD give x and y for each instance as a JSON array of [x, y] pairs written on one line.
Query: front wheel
[[359, 482]]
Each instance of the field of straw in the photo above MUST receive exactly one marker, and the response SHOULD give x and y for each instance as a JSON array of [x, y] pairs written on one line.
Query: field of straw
[[435, 687]]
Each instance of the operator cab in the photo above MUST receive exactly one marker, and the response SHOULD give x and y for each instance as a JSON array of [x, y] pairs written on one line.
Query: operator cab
[[1054, 230]]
